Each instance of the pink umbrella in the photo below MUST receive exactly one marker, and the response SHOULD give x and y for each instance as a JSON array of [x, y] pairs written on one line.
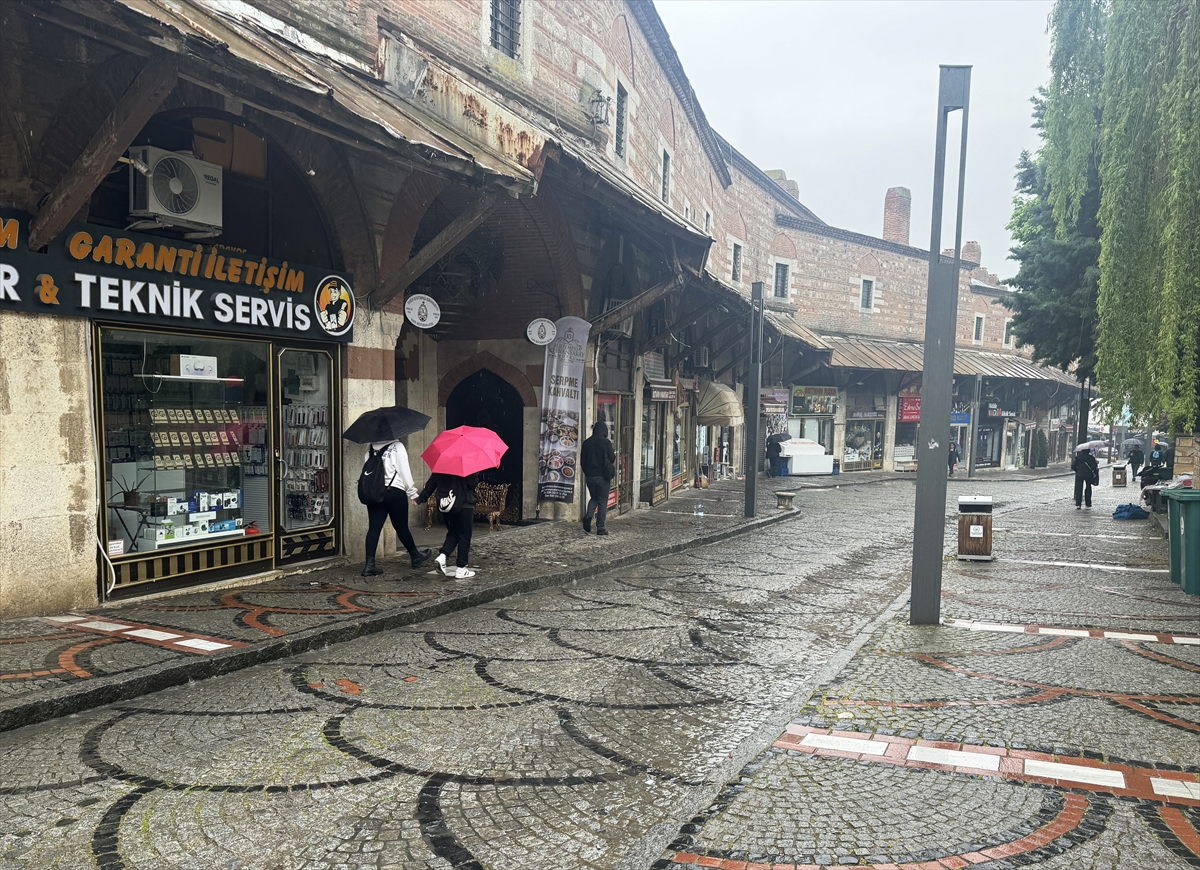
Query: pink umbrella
[[464, 450]]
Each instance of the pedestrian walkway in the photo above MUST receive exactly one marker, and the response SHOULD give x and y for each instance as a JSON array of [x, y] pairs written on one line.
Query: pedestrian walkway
[[1052, 721]]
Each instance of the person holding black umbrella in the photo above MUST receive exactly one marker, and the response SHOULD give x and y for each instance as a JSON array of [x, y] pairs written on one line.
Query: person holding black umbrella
[[1136, 459], [386, 485], [1087, 475]]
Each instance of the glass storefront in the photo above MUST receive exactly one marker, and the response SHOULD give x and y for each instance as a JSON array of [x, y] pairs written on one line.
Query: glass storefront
[[864, 444], [653, 483], [988, 444], [219, 453]]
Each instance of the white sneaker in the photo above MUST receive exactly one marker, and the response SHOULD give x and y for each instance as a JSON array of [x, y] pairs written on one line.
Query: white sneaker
[[463, 573], [441, 563]]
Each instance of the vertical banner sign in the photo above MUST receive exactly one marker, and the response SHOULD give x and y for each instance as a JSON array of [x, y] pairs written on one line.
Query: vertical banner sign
[[562, 397]]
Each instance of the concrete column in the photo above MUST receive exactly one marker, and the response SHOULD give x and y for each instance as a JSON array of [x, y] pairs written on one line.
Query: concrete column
[[839, 428], [636, 455], [889, 431]]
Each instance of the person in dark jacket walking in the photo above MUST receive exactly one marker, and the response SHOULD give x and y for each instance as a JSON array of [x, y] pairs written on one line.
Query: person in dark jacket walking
[[1087, 473], [952, 457], [1136, 460], [598, 462], [774, 453], [456, 500]]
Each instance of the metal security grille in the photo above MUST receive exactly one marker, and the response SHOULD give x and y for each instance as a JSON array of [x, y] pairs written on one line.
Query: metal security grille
[[736, 271], [619, 141], [868, 294], [506, 26], [781, 280]]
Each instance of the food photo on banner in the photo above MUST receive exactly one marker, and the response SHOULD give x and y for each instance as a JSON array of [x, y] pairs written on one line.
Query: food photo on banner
[[562, 394]]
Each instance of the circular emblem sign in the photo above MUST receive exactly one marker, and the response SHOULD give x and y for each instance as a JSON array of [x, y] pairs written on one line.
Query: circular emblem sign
[[541, 331], [422, 311], [334, 305]]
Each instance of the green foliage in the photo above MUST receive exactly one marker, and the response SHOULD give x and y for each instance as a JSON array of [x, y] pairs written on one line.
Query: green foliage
[[1058, 275]]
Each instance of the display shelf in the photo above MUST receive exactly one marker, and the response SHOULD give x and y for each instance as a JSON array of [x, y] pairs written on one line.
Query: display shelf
[[190, 540], [190, 378]]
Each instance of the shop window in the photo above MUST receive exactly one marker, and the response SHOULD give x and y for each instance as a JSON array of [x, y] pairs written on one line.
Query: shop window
[[619, 135], [187, 453], [736, 268], [866, 299], [1008, 333], [978, 336], [781, 280], [506, 26]]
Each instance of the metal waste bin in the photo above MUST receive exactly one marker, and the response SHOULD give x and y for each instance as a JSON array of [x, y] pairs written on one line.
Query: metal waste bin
[[1119, 478], [1183, 524], [975, 528]]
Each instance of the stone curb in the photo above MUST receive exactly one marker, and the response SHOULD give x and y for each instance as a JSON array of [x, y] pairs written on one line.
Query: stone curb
[[99, 691]]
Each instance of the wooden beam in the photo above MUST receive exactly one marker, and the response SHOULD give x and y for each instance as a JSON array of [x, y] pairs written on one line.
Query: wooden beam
[[418, 264], [632, 306], [736, 359], [728, 323], [685, 321], [136, 106]]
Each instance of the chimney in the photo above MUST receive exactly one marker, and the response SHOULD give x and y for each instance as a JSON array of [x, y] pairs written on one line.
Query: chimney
[[972, 253], [897, 209], [780, 178]]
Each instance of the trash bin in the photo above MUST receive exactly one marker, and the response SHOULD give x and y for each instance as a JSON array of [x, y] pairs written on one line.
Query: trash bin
[[1183, 525], [975, 528], [1119, 476]]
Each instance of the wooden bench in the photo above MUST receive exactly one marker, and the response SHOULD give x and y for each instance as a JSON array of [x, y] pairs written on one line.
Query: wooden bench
[[785, 499]]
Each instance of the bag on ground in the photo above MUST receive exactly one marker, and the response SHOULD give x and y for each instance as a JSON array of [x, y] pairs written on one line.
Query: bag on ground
[[372, 488], [1129, 512]]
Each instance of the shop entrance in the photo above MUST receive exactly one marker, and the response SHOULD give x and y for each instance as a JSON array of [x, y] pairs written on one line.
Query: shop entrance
[[485, 399], [303, 468]]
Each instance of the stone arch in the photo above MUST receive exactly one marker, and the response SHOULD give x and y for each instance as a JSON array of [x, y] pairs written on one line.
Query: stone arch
[[485, 360], [783, 247], [737, 225], [869, 264], [620, 44]]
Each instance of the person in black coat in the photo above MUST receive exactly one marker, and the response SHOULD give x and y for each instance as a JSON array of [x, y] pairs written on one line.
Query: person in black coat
[[456, 501], [598, 462], [774, 453], [1087, 473], [1136, 460]]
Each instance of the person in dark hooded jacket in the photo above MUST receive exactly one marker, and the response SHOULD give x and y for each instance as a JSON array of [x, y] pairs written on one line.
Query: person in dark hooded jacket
[[598, 462], [1087, 473]]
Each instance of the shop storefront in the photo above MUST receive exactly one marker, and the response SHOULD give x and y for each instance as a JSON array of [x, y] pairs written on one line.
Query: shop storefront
[[811, 414], [866, 425], [960, 431], [718, 416], [989, 443], [616, 412], [908, 425], [216, 398], [658, 404]]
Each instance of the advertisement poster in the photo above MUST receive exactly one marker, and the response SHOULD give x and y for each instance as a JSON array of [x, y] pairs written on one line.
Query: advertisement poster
[[562, 395]]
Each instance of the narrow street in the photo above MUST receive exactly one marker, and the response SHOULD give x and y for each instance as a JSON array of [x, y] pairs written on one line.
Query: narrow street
[[661, 715]]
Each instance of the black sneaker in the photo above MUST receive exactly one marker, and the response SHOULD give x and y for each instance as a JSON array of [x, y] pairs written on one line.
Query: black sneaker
[[601, 531], [422, 557], [587, 525]]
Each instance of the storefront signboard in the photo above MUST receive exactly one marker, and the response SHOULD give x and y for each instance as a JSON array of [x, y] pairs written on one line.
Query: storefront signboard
[[654, 366], [422, 311], [814, 401], [663, 393], [660, 493], [138, 279], [562, 392], [960, 419], [909, 410], [866, 414], [541, 331]]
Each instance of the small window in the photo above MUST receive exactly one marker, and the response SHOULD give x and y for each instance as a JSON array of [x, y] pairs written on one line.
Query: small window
[[979, 329], [736, 271], [666, 178], [506, 26], [619, 139], [708, 222], [781, 280], [867, 301], [1008, 333]]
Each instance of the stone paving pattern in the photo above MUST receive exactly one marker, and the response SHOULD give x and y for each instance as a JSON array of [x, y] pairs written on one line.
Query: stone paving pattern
[[597, 723]]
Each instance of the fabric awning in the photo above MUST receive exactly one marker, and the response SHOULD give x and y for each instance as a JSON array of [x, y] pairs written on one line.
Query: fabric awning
[[718, 405]]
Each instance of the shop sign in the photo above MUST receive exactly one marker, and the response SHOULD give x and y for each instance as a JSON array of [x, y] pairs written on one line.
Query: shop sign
[[107, 274], [775, 396], [960, 419], [422, 311], [612, 497], [562, 391], [541, 331], [663, 393], [659, 495], [814, 401], [867, 414], [909, 410], [653, 366]]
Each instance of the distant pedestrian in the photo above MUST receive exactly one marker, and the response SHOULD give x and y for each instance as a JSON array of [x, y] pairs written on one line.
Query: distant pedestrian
[[598, 462], [1136, 459], [1087, 474], [774, 459], [953, 457], [397, 477], [456, 500]]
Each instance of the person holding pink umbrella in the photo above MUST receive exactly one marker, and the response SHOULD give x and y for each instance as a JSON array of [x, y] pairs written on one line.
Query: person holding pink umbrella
[[456, 457]]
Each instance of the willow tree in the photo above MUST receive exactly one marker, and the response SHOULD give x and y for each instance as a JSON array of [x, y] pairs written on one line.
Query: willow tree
[[1144, 125]]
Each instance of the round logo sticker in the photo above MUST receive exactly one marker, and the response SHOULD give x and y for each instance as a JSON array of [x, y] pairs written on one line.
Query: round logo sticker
[[422, 311], [541, 331], [334, 305]]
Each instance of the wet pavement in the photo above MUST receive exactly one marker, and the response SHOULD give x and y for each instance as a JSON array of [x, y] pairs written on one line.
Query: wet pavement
[[692, 710]]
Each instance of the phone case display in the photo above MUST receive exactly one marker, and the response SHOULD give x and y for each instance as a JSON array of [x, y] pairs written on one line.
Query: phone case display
[[305, 447], [175, 444]]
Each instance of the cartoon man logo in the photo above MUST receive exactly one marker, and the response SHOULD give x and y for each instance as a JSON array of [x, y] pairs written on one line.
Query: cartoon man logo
[[334, 305]]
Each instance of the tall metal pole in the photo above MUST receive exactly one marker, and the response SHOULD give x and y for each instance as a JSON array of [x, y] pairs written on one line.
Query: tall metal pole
[[941, 316], [751, 434]]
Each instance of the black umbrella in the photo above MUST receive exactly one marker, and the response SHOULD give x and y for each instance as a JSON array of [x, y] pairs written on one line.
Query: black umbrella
[[385, 424], [779, 436]]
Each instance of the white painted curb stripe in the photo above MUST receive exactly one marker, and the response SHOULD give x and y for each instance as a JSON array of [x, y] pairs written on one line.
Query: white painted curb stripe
[[844, 744], [1175, 788], [954, 757], [1074, 773]]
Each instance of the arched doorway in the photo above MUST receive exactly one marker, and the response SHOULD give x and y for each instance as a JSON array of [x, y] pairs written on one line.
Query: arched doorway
[[486, 399]]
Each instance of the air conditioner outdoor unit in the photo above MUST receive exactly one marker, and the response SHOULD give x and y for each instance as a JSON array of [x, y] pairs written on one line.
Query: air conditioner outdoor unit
[[625, 327], [170, 189], [700, 358]]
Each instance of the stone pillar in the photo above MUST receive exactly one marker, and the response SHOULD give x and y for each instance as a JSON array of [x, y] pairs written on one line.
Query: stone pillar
[[891, 415], [839, 428]]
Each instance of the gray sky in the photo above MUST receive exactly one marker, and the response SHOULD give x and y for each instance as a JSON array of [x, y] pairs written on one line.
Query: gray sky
[[842, 96]]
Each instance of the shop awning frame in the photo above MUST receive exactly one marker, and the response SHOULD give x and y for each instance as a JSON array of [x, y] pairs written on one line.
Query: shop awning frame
[[718, 405]]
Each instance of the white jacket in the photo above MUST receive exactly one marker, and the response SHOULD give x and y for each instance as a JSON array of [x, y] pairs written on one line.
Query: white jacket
[[395, 466]]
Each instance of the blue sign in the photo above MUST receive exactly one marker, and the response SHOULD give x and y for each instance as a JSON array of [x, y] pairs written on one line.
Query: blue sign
[[960, 419]]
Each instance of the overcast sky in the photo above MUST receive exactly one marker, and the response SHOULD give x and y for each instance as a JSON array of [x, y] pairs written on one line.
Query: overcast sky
[[842, 96]]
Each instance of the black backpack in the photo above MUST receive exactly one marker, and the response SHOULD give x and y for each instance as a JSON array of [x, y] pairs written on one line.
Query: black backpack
[[372, 488]]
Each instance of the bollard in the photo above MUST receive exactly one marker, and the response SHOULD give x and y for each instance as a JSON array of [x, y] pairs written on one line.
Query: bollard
[[785, 500]]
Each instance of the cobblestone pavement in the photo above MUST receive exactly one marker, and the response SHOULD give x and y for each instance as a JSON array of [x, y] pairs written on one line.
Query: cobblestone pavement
[[1053, 721], [592, 724]]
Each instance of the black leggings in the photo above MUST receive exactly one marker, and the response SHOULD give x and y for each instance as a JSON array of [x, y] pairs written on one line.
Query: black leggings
[[459, 525], [1083, 490], [394, 505]]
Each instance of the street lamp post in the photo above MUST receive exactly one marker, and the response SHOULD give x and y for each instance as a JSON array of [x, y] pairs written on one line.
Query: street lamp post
[[750, 459], [941, 314]]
